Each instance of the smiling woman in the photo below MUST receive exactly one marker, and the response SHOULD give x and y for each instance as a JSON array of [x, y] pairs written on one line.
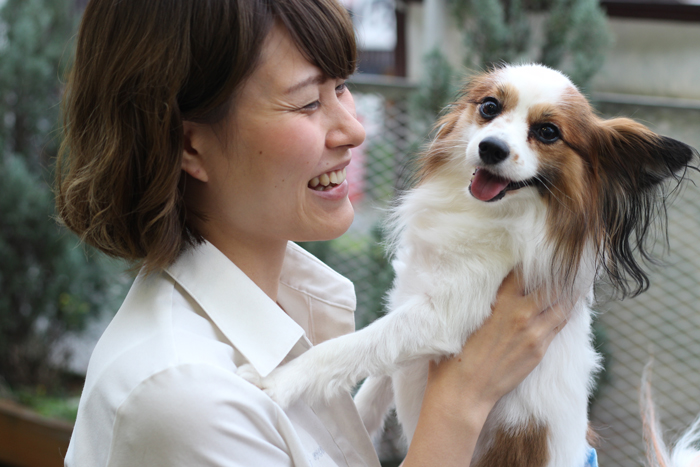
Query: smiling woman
[[202, 138]]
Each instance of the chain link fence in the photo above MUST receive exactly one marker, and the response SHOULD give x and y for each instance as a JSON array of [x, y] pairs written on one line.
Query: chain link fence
[[664, 322]]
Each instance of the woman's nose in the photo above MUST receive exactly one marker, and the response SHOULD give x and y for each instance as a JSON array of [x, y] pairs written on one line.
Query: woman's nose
[[347, 129]]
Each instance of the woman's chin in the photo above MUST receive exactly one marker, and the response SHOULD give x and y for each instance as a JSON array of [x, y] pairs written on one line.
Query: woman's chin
[[330, 225]]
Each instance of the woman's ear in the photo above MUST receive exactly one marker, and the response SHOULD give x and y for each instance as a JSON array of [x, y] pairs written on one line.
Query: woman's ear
[[194, 147]]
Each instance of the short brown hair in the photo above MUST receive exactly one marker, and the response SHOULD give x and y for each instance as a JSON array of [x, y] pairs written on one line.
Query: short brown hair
[[141, 68]]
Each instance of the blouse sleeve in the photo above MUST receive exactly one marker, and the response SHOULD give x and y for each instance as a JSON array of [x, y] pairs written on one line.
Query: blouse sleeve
[[197, 415]]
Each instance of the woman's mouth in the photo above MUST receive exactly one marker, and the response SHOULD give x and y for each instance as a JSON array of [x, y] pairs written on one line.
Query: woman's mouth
[[328, 180]]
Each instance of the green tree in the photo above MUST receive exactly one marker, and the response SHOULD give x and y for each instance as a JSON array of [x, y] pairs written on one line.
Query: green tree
[[49, 286], [576, 38], [34, 43], [575, 34], [494, 31], [436, 91]]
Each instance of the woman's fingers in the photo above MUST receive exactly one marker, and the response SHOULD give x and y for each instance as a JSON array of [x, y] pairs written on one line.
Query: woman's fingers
[[514, 339], [512, 297]]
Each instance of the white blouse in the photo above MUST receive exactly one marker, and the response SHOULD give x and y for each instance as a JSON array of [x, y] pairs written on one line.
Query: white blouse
[[161, 387]]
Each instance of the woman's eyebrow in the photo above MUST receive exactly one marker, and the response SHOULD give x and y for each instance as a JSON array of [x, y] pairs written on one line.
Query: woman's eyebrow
[[314, 79]]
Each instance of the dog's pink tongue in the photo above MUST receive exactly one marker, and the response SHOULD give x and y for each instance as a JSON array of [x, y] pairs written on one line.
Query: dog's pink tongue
[[486, 186]]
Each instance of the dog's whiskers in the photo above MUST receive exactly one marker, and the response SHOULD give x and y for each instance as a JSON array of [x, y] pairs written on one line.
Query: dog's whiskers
[[547, 184]]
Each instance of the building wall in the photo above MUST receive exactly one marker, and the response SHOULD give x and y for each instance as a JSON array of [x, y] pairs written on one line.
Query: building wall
[[652, 58]]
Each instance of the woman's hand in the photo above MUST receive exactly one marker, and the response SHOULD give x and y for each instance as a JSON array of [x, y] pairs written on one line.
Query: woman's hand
[[461, 391], [499, 355]]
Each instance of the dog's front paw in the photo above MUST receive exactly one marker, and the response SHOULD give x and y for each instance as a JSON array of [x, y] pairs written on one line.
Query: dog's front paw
[[250, 374], [284, 385]]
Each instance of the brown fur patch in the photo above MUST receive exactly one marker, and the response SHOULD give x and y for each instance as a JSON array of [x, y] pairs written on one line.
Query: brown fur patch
[[569, 170], [592, 437], [527, 447], [463, 112], [446, 139], [508, 95], [489, 85], [544, 113]]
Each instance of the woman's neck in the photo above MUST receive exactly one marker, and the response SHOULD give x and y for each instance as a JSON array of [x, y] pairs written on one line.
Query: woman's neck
[[261, 260]]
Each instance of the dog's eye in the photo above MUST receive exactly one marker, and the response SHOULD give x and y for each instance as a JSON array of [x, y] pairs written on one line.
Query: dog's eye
[[489, 108], [547, 133]]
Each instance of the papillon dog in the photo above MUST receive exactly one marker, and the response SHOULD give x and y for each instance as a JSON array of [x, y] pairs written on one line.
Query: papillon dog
[[522, 174]]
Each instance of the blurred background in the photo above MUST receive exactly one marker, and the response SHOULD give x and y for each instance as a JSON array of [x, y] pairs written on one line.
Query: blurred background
[[639, 59]]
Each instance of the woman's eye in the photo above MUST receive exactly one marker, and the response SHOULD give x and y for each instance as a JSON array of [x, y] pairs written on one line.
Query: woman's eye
[[341, 87], [547, 133], [490, 108], [312, 106]]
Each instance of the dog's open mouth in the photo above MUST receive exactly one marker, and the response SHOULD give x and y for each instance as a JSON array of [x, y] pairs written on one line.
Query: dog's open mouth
[[488, 187]]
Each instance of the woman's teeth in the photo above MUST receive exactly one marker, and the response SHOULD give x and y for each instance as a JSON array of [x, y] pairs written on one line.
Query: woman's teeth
[[328, 180]]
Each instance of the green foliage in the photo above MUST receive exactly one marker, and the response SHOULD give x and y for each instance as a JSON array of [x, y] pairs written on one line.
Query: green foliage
[[321, 250], [381, 274], [497, 31], [49, 286], [34, 44], [437, 90], [380, 160], [60, 407], [576, 35]]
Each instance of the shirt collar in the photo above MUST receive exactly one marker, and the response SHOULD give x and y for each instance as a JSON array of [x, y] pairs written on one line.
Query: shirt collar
[[258, 328], [317, 297]]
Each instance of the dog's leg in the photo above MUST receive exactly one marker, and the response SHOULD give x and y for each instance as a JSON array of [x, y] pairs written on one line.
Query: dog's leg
[[373, 401], [409, 389], [415, 329]]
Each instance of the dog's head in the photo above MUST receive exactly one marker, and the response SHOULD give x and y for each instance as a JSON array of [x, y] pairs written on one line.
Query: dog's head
[[527, 131]]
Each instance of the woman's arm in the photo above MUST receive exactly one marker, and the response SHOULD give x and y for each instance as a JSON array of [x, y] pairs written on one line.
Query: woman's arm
[[462, 391]]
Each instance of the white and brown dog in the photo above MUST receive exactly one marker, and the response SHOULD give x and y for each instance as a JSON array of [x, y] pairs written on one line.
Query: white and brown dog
[[522, 174]]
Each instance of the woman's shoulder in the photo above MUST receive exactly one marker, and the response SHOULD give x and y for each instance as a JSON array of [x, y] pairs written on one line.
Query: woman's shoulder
[[181, 412], [157, 328], [162, 380], [189, 394]]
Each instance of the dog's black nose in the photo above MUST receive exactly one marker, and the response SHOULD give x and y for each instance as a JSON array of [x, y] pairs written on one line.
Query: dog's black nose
[[493, 150]]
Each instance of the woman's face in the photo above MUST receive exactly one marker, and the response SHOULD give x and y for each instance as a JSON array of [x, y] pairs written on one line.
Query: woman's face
[[291, 127]]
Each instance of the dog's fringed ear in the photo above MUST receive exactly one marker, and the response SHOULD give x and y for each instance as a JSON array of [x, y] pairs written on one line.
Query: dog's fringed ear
[[634, 163], [443, 141]]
